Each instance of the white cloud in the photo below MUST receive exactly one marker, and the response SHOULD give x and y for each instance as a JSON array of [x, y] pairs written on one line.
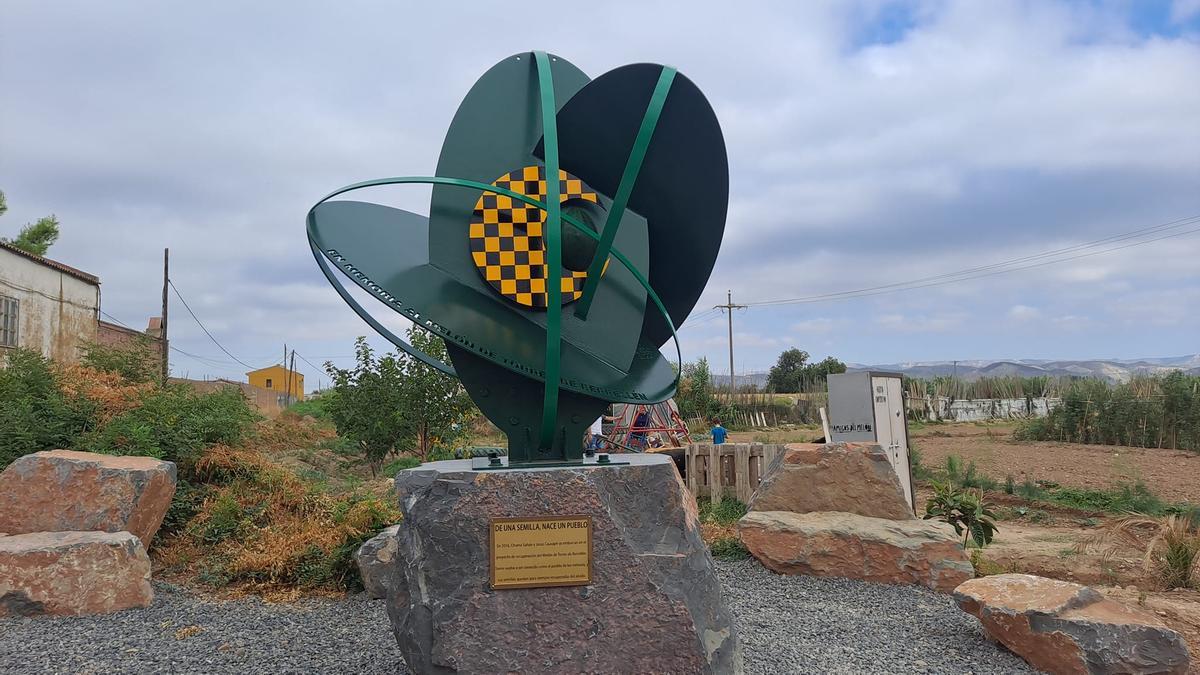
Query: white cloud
[[1023, 313], [990, 131]]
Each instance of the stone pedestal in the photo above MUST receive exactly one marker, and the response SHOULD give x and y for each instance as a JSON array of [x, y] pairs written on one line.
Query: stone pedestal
[[654, 604]]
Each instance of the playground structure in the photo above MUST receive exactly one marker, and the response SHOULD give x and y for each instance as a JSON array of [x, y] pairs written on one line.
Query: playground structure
[[661, 427]]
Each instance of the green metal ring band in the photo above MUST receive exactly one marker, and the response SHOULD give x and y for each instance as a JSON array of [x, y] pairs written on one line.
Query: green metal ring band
[[552, 237], [485, 188]]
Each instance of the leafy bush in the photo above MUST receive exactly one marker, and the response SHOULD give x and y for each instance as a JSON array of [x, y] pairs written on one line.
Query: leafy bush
[[968, 477], [175, 423], [135, 363], [400, 464], [722, 512], [317, 408], [34, 413], [1126, 498], [729, 548], [971, 516]]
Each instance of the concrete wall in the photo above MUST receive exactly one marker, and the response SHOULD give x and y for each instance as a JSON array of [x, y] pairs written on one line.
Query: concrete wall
[[937, 408], [58, 311]]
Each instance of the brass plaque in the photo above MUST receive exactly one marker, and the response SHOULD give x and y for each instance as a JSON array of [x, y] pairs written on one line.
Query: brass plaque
[[538, 552]]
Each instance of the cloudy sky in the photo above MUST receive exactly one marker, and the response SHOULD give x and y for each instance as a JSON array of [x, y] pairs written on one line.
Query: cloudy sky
[[871, 144]]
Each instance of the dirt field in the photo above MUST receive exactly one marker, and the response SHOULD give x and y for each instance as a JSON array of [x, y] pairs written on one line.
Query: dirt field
[[1173, 475], [1051, 540]]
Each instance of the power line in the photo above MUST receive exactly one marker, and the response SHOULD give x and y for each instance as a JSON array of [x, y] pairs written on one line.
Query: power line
[[208, 359], [319, 370], [201, 324], [1003, 267]]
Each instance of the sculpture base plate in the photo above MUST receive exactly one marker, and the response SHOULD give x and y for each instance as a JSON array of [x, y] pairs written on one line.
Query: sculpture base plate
[[485, 464]]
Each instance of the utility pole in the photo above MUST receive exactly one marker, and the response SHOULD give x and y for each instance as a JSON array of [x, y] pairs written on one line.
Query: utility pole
[[163, 345], [729, 307], [292, 379], [284, 383]]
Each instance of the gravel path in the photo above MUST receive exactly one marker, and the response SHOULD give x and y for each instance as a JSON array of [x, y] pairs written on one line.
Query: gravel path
[[787, 625], [797, 624]]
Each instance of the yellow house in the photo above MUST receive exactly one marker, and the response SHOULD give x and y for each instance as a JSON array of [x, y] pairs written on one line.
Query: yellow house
[[280, 379]]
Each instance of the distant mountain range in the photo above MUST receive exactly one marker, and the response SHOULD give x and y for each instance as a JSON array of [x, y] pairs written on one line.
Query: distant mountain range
[[1113, 370]]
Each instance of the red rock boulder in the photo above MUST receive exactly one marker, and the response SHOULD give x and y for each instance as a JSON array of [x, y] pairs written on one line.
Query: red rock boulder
[[72, 573], [64, 490], [1061, 627], [847, 545], [849, 477]]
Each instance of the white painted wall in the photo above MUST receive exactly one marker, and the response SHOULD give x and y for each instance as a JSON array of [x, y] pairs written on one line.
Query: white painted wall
[[58, 311]]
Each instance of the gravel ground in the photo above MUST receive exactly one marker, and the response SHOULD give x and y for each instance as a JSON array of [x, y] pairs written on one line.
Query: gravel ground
[[787, 625], [797, 624]]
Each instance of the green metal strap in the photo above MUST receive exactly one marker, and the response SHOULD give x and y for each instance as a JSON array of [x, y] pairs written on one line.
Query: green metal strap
[[492, 189], [552, 236], [633, 166]]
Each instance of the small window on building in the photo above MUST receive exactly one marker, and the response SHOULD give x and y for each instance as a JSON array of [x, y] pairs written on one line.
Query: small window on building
[[9, 320], [269, 383]]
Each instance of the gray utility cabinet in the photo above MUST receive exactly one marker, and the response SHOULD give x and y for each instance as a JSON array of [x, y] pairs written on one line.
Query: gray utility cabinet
[[868, 406]]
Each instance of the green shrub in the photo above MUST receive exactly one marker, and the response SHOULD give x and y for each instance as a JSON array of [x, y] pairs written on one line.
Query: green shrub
[[313, 407], [186, 503], [399, 465], [34, 413], [1126, 498], [722, 512], [1009, 485], [1031, 491], [225, 519], [729, 548], [135, 363], [175, 423]]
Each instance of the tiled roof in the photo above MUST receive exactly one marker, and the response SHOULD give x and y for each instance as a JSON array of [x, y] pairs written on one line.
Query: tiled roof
[[53, 264]]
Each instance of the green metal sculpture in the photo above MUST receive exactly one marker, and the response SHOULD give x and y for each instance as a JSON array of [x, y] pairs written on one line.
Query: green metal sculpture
[[542, 289]]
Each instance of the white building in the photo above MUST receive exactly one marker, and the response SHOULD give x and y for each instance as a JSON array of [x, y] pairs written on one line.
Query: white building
[[45, 305]]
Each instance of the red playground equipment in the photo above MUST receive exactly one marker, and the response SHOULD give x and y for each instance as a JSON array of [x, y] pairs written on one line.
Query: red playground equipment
[[649, 426]]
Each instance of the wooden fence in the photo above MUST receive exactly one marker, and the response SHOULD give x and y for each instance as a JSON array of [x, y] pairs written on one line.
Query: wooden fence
[[728, 470]]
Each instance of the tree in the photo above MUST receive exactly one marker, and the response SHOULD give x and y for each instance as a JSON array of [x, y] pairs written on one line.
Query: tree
[[816, 374], [367, 404], [695, 396], [35, 238], [393, 402], [792, 373], [785, 375], [437, 403]]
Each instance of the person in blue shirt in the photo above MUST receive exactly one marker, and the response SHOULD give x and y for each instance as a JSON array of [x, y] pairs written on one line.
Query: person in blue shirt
[[718, 433]]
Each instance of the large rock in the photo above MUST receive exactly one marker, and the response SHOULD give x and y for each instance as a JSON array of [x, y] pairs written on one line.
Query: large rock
[[848, 477], [376, 560], [64, 490], [72, 573], [835, 544], [1061, 627], [654, 604]]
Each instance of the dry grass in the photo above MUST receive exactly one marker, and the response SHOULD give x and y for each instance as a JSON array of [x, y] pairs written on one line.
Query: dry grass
[[264, 529], [108, 392], [1170, 546]]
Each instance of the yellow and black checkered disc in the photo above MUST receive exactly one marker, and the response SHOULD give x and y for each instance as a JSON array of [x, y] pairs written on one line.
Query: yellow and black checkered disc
[[506, 238]]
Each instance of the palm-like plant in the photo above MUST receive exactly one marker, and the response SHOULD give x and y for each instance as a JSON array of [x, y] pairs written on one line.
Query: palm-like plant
[[1170, 545], [966, 510]]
